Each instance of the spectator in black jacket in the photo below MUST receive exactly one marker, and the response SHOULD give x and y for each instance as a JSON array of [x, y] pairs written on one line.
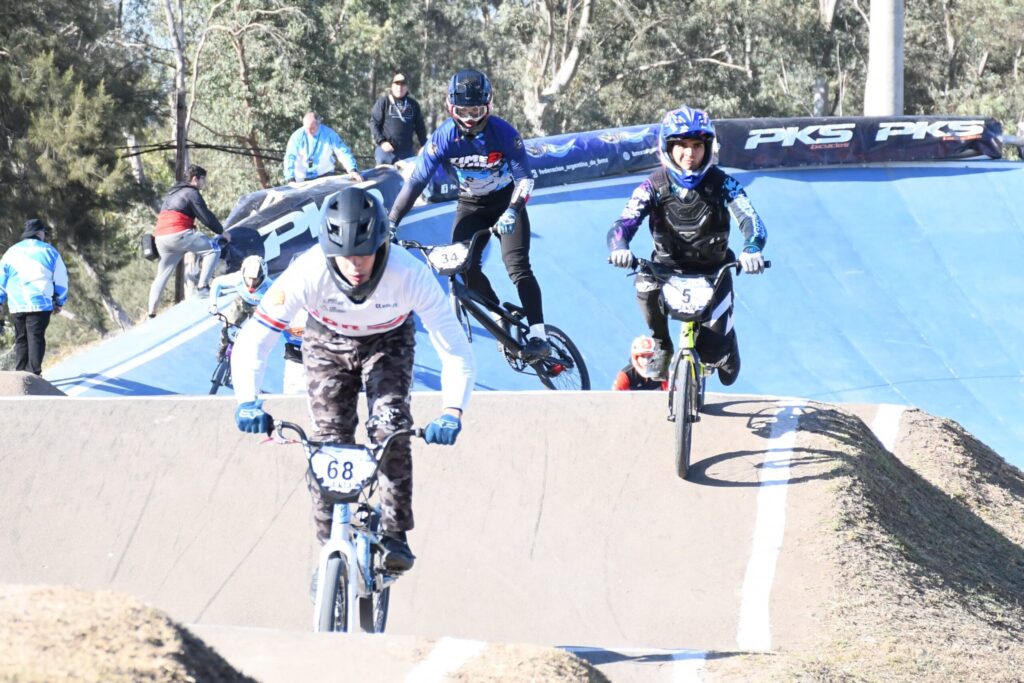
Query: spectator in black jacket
[[176, 233], [394, 119]]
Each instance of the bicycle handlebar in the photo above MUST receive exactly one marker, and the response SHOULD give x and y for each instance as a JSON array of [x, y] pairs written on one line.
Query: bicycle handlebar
[[659, 270], [471, 242], [381, 449]]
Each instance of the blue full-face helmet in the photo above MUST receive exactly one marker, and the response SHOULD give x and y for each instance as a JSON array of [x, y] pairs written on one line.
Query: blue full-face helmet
[[680, 124], [469, 100]]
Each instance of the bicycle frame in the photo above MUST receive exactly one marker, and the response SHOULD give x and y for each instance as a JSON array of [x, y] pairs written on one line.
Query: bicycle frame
[[478, 307]]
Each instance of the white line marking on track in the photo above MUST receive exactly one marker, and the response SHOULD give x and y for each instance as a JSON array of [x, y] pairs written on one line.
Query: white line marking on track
[[886, 425], [173, 342], [447, 656], [754, 631]]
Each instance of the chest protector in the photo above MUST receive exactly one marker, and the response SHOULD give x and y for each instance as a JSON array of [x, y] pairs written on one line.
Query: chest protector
[[691, 230]]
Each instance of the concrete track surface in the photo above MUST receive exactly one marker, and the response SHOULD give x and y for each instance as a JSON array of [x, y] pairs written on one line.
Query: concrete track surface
[[557, 519]]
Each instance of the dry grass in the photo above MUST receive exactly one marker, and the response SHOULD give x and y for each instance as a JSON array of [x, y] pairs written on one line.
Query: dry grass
[[534, 663], [56, 634], [930, 568]]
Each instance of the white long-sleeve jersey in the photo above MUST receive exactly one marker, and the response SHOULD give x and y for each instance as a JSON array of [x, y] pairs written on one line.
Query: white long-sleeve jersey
[[407, 286]]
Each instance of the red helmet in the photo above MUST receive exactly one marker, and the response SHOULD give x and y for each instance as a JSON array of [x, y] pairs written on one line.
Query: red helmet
[[640, 352]]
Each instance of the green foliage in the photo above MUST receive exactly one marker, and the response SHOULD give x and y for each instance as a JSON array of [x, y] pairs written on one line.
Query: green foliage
[[76, 76]]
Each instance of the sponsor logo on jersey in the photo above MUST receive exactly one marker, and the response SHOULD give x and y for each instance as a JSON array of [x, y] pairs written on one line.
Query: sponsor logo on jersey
[[491, 162]]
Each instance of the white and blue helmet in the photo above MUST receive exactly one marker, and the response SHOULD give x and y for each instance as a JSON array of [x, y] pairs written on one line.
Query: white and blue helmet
[[678, 124]]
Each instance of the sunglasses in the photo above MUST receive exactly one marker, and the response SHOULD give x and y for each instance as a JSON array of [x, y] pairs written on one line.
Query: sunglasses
[[401, 83]]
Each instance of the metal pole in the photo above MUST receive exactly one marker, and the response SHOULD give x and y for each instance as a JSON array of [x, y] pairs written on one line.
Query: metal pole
[[883, 92]]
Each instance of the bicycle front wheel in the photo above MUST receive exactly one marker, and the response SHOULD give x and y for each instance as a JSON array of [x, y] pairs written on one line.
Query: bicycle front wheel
[[219, 374], [683, 397], [334, 608], [565, 368]]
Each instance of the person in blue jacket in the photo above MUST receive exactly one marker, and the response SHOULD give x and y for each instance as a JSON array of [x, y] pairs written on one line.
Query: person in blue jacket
[[312, 149], [34, 283], [489, 160]]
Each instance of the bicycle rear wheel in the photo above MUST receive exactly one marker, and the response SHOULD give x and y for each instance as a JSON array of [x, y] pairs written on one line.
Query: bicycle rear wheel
[[373, 611], [565, 368], [334, 609], [684, 394], [219, 375]]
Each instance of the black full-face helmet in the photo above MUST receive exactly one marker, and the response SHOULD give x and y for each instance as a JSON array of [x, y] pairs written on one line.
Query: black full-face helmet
[[469, 100], [354, 223]]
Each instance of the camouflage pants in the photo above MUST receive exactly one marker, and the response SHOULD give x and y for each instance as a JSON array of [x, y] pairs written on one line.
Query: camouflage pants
[[337, 368]]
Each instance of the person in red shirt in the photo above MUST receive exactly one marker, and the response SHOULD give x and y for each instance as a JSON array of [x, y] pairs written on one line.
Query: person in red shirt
[[176, 234], [633, 377]]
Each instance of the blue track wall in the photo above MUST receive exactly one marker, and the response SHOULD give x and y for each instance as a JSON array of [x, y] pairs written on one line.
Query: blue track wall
[[896, 283]]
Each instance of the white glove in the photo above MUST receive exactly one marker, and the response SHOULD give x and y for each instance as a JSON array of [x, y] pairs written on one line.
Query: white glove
[[621, 258], [752, 261], [507, 223], [213, 309]]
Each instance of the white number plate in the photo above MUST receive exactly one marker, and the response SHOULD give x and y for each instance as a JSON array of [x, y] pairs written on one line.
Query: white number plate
[[687, 295], [342, 469], [448, 258]]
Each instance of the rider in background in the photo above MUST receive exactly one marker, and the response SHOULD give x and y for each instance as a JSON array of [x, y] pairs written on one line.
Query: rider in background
[[250, 283], [489, 159], [634, 377], [359, 291], [688, 201]]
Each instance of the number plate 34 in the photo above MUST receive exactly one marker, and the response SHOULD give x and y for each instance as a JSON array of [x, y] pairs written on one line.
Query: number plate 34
[[342, 469]]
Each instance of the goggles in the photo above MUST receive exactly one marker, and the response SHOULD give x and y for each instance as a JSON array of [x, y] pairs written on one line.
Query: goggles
[[469, 113]]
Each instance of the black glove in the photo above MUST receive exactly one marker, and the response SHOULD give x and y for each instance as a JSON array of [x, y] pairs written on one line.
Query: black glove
[[393, 231]]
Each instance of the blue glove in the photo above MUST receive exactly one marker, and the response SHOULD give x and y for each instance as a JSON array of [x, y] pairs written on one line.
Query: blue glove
[[507, 223], [250, 417], [443, 430]]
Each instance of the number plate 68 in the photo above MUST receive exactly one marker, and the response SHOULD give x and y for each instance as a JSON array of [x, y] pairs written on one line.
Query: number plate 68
[[342, 469]]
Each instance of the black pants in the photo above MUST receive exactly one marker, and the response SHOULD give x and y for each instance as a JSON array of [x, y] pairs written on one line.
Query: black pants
[[473, 216], [30, 340]]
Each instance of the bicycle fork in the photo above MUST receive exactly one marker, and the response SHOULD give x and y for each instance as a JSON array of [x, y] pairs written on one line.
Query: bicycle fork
[[352, 555], [687, 347]]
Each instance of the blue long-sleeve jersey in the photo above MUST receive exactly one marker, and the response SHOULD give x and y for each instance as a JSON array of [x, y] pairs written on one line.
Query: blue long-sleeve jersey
[[33, 277], [483, 164]]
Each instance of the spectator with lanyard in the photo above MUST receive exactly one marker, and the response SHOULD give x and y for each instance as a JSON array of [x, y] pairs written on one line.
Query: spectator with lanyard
[[393, 120], [633, 377], [176, 234], [311, 151], [34, 283], [490, 162], [360, 293], [688, 201], [249, 284]]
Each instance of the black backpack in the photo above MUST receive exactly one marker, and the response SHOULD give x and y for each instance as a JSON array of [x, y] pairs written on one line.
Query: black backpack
[[147, 245]]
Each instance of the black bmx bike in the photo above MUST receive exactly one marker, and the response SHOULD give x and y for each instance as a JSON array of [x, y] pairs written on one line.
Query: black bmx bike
[[221, 376], [686, 297], [563, 368]]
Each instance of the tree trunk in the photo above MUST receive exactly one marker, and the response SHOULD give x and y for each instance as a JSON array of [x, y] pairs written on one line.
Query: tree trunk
[[251, 141], [547, 89], [110, 305], [179, 103]]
